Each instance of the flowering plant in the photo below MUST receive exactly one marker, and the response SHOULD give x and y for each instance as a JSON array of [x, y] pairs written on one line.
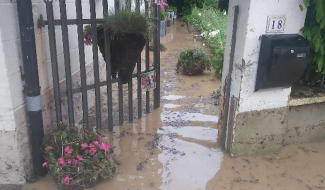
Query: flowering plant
[[76, 156], [162, 4]]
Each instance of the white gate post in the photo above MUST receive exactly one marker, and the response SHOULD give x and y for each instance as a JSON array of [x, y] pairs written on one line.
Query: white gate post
[[256, 121]]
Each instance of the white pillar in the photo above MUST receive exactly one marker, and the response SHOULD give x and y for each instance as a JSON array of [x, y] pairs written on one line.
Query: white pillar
[[257, 124]]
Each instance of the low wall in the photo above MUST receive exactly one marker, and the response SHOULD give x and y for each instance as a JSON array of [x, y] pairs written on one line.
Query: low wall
[[302, 121]]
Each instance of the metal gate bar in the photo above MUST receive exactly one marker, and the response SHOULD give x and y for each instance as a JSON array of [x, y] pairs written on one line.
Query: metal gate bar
[[147, 61], [82, 63], [130, 90], [95, 60], [93, 21], [66, 50], [157, 57], [54, 61], [139, 89], [108, 71]]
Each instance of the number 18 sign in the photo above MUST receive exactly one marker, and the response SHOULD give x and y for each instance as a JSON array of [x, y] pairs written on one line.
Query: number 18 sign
[[275, 24]]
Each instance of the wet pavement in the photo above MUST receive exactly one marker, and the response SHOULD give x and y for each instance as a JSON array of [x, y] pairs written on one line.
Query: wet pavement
[[175, 147]]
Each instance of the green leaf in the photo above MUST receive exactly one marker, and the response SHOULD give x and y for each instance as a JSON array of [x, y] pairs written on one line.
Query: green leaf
[[319, 10], [52, 158], [307, 3], [64, 134], [317, 44], [322, 24], [320, 63], [301, 7]]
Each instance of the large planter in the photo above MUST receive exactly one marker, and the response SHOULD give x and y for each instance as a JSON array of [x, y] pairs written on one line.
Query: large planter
[[172, 14], [162, 28], [169, 22], [125, 51]]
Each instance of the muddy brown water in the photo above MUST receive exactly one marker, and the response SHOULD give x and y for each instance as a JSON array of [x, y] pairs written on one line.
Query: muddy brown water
[[175, 147]]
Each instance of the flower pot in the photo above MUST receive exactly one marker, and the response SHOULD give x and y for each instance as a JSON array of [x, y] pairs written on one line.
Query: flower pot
[[169, 14], [125, 51], [172, 14], [162, 28], [169, 22]]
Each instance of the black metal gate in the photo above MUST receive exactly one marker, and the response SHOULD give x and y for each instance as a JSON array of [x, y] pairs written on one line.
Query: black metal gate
[[64, 22]]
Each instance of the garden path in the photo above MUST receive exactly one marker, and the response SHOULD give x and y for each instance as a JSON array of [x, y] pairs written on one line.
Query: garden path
[[175, 147]]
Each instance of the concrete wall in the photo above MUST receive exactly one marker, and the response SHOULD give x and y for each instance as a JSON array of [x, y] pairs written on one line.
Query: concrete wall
[[258, 123], [306, 124], [15, 160]]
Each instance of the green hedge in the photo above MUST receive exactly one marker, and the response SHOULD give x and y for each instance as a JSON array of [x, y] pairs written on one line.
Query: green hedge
[[212, 25]]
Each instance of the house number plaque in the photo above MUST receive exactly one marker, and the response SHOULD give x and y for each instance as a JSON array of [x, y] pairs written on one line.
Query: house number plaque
[[275, 24]]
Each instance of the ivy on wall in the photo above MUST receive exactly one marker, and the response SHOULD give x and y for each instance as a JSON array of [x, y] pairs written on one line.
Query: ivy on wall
[[314, 31]]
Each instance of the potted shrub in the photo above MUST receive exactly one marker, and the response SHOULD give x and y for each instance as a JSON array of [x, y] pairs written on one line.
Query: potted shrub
[[169, 22], [193, 62], [128, 32], [172, 11], [77, 158], [163, 24]]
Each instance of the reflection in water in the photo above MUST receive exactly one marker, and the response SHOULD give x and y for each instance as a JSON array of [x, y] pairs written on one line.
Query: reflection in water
[[168, 116], [170, 106], [172, 97], [200, 133], [188, 167]]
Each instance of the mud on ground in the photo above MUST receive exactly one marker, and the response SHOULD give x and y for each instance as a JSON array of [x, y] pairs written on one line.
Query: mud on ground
[[175, 147]]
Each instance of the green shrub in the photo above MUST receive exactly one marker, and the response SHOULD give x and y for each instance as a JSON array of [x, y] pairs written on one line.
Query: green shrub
[[122, 22], [172, 9], [193, 62], [163, 16], [212, 25], [127, 22]]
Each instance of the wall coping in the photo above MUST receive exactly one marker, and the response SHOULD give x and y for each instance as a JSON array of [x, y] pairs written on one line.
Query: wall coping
[[304, 95]]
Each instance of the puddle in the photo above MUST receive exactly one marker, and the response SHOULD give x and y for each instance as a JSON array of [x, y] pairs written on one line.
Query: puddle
[[170, 106], [190, 166], [172, 97], [168, 116], [200, 133]]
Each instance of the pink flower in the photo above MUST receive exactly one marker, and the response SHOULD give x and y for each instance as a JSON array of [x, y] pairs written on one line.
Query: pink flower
[[80, 163], [44, 164], [95, 142], [108, 157], [69, 162], [67, 180], [92, 151], [162, 4], [84, 146], [105, 147], [67, 150], [80, 158], [61, 161], [87, 42], [100, 138]]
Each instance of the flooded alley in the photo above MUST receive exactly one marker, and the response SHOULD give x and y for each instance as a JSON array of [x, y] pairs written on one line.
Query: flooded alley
[[175, 147]]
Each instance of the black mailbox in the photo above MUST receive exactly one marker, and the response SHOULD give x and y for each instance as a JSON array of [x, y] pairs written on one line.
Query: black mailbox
[[283, 60]]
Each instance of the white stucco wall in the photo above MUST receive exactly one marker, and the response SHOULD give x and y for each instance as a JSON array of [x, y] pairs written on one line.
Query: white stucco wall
[[256, 26], [251, 25]]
